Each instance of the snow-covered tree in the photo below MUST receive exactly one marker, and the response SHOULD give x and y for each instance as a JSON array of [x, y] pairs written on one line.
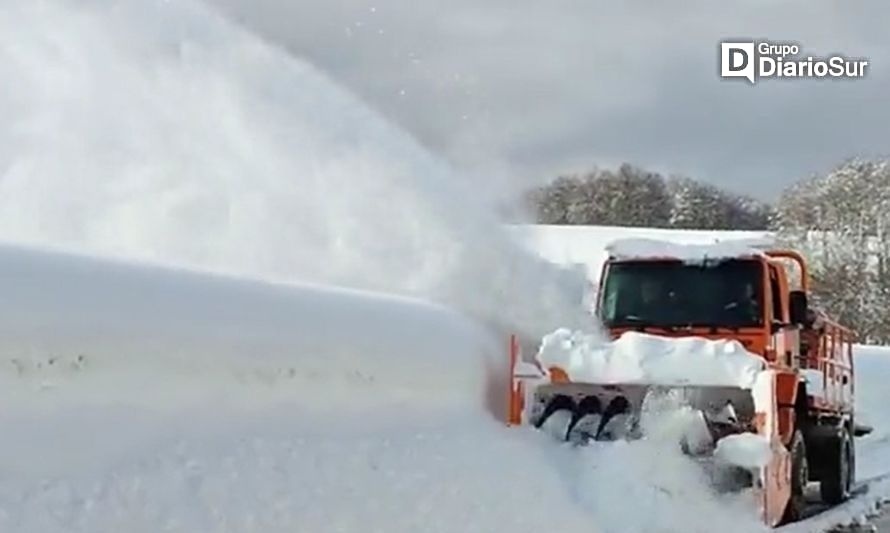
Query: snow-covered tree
[[699, 205], [841, 221], [644, 197], [632, 196], [551, 203]]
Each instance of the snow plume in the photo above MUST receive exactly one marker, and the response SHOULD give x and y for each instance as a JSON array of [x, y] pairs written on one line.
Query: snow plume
[[676, 490], [650, 484], [159, 131]]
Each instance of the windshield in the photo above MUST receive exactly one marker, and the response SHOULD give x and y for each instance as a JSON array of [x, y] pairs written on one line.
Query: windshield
[[651, 293]]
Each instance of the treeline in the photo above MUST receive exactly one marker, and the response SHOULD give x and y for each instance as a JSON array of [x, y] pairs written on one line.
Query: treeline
[[839, 219], [632, 196]]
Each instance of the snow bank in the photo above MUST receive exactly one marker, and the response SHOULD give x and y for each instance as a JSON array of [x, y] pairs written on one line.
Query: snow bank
[[645, 358], [90, 329]]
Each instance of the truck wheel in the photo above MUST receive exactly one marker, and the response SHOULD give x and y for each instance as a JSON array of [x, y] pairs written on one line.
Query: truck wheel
[[800, 475], [837, 483]]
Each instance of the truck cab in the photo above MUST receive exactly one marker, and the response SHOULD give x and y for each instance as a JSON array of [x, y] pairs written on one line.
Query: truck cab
[[746, 297]]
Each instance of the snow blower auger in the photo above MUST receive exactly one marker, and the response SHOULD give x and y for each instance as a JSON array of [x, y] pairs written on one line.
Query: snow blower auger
[[716, 330]]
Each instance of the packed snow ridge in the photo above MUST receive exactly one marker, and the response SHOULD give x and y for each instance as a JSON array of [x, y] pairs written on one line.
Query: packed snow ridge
[[638, 357]]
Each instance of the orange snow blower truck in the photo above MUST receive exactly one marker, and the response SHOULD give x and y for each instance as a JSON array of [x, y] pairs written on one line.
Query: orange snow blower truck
[[802, 405]]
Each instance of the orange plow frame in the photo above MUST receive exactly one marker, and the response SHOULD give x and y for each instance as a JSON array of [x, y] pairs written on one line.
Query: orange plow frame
[[775, 490]]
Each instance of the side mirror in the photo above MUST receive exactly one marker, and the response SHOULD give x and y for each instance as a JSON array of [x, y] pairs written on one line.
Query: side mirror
[[797, 301]]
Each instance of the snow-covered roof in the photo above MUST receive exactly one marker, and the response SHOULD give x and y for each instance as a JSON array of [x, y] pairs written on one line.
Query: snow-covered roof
[[586, 245], [641, 248]]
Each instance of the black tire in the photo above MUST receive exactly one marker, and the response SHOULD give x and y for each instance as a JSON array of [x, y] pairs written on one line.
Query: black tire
[[837, 483], [800, 475]]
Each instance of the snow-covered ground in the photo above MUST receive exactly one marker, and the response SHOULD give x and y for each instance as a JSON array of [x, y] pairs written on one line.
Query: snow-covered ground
[[288, 315], [144, 399], [136, 398]]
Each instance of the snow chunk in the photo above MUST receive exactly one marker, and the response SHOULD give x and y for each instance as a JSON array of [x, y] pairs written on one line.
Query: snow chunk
[[747, 450], [644, 358], [689, 253]]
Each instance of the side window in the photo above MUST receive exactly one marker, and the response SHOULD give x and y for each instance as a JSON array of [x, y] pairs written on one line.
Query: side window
[[776, 294], [609, 294]]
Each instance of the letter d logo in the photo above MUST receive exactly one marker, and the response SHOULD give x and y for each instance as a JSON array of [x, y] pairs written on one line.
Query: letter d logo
[[737, 60]]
